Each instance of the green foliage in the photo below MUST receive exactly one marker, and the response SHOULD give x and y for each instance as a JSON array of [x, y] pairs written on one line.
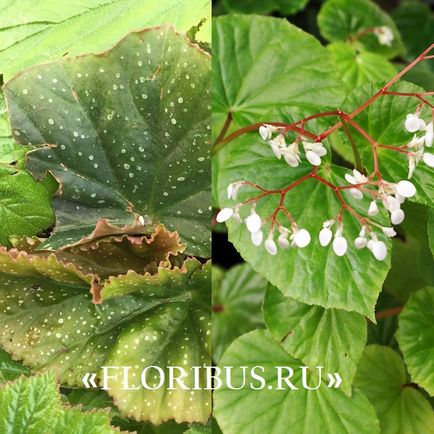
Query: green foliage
[[33, 406], [415, 21], [401, 408], [237, 301], [416, 338], [286, 71], [318, 337], [359, 67], [9, 368], [284, 7], [31, 35], [341, 20], [112, 153], [245, 410]]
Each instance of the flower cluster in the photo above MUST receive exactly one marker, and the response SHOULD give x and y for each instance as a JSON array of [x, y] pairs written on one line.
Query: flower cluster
[[314, 151], [423, 137]]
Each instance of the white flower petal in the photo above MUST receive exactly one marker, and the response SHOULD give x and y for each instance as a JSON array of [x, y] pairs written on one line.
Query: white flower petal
[[264, 132], [389, 232], [291, 160], [350, 178], [373, 208], [276, 149], [325, 236], [257, 238], [397, 216], [230, 190], [302, 238], [406, 188], [253, 222], [429, 135], [224, 214], [270, 246], [313, 158], [391, 203], [356, 193], [412, 123], [360, 242], [340, 246], [428, 159], [379, 250], [283, 242]]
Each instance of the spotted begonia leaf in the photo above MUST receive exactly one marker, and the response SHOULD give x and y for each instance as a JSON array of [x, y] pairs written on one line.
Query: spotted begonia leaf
[[237, 301], [384, 121], [331, 338], [357, 67], [50, 322], [341, 20], [401, 408], [254, 73], [33, 406], [32, 35], [312, 275], [416, 339], [127, 132], [246, 411]]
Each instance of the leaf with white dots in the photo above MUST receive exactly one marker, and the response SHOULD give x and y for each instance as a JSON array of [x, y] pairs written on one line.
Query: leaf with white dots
[[127, 134], [50, 322]]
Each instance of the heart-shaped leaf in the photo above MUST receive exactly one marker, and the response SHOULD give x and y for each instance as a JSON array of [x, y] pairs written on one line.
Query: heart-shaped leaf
[[318, 337], [312, 275], [128, 132], [237, 301], [416, 339], [384, 121], [162, 319], [244, 411], [33, 406], [340, 20], [359, 67], [401, 408], [32, 35], [255, 73]]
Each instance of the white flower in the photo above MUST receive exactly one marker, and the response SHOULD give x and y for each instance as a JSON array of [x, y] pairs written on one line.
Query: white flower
[[413, 123], [270, 246], [384, 35], [379, 250], [141, 220], [301, 238], [356, 193], [356, 177], [257, 238], [291, 154], [389, 232], [411, 165], [325, 236], [233, 188], [429, 135], [314, 152], [283, 242], [405, 189], [253, 222], [266, 131], [340, 245], [428, 159], [224, 214], [373, 208], [360, 242], [391, 203], [397, 216], [276, 147]]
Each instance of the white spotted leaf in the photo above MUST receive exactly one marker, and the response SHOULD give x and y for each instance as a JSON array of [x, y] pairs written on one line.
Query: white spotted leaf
[[50, 323], [127, 133]]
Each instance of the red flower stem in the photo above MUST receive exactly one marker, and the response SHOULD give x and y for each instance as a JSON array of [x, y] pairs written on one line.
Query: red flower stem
[[395, 148]]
